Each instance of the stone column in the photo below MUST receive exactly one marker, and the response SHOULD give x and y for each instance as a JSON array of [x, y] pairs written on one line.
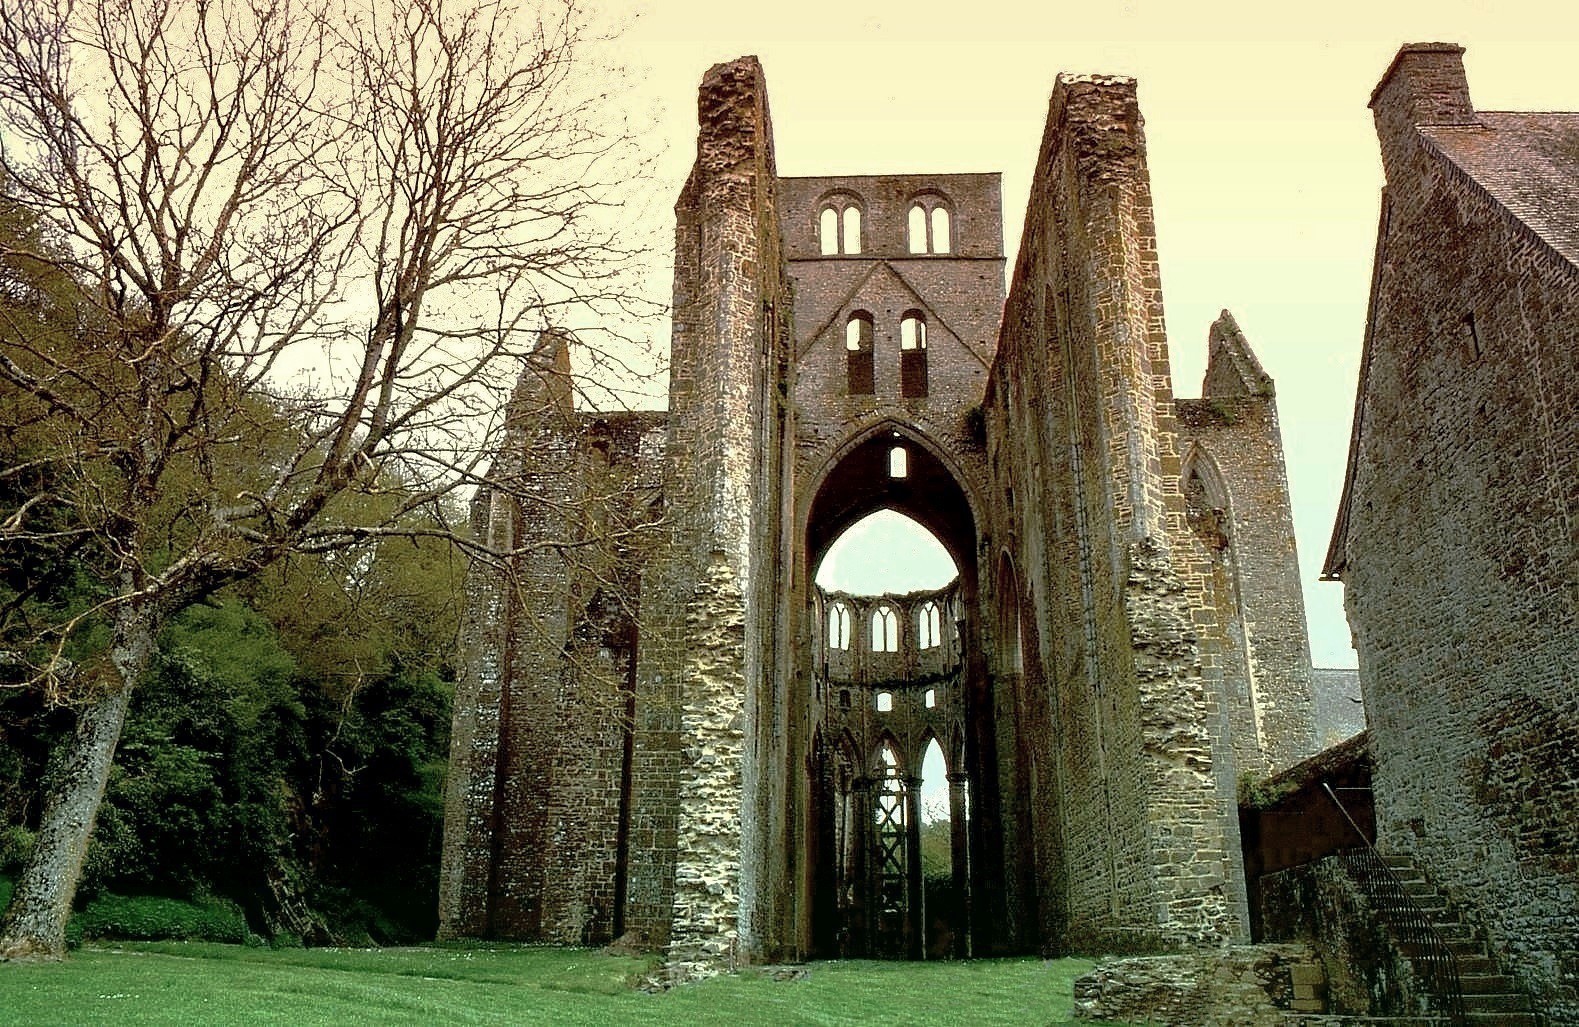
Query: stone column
[[859, 882], [915, 915], [959, 845]]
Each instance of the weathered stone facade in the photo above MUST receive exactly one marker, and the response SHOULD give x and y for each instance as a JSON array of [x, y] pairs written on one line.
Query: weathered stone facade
[[1124, 639], [1456, 539]]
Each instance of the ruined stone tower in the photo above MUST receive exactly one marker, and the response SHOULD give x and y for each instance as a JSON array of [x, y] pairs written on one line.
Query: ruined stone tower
[[665, 729]]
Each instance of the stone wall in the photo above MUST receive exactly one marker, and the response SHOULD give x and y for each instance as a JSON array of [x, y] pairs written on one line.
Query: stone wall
[[1236, 491], [844, 438], [1367, 973], [1242, 986], [535, 841], [1456, 542], [1133, 833], [710, 742]]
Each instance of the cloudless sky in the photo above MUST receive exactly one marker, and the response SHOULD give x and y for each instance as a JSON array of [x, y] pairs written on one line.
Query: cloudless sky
[[1262, 151]]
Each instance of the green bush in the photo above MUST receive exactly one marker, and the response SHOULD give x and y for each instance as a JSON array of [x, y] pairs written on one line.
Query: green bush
[[16, 843], [156, 918]]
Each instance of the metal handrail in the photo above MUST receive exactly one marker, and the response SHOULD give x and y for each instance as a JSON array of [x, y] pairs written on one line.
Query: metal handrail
[[1430, 955]]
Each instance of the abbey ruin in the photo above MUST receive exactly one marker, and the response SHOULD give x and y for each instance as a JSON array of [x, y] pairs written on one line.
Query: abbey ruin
[[667, 732]]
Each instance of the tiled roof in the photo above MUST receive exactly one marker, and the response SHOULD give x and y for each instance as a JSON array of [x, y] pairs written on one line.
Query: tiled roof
[[1529, 163]]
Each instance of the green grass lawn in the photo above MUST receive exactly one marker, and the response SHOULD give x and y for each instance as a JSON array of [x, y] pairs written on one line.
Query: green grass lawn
[[198, 983]]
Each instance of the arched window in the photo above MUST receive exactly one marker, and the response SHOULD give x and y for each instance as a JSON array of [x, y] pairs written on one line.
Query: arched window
[[839, 226], [929, 226], [860, 380], [828, 231], [898, 462], [885, 630], [940, 230], [929, 626], [852, 230], [890, 817], [838, 626], [918, 229], [913, 355]]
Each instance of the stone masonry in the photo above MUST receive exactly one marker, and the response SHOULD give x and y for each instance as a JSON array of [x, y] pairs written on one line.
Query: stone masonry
[[666, 731], [1456, 538]]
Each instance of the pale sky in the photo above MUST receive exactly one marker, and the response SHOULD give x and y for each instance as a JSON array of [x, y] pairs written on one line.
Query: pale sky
[[1262, 151]]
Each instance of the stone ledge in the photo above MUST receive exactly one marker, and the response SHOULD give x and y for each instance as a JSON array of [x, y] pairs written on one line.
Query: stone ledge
[[1241, 986]]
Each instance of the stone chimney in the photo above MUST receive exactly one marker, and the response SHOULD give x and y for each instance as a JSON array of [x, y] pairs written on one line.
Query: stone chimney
[[1425, 85]]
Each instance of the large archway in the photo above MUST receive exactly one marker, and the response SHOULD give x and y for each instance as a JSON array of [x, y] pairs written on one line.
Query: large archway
[[893, 671]]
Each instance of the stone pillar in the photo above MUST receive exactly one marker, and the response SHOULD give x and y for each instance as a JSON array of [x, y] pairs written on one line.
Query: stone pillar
[[858, 921], [959, 846], [915, 913]]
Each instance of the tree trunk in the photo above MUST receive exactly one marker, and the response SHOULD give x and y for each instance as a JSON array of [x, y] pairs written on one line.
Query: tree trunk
[[35, 923]]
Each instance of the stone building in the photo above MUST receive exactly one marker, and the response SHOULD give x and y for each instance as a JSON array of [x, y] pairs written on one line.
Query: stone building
[[666, 730], [1456, 539]]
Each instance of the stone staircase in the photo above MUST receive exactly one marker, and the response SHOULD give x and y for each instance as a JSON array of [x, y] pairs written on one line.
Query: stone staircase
[[1491, 999]]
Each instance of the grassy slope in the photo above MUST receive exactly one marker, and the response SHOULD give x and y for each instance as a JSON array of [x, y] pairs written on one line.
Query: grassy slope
[[171, 983]]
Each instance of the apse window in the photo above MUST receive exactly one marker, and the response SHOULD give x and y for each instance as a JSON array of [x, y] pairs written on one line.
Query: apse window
[[885, 702], [839, 227], [885, 630], [838, 626], [929, 626], [913, 355], [898, 462], [929, 226]]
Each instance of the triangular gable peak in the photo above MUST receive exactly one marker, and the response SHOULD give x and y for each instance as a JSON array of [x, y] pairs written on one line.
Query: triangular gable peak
[[886, 294], [1231, 366]]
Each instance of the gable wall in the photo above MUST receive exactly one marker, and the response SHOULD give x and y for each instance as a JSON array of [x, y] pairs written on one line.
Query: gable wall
[[1462, 559]]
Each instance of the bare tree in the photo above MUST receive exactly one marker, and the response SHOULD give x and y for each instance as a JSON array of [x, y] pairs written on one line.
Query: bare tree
[[309, 246]]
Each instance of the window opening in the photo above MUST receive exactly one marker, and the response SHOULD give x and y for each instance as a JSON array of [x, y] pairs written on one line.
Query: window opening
[[885, 702], [885, 630], [898, 462], [860, 379], [930, 698], [940, 230], [851, 240], [839, 227], [929, 226], [918, 229], [844, 698], [913, 355], [838, 626], [891, 816], [929, 626]]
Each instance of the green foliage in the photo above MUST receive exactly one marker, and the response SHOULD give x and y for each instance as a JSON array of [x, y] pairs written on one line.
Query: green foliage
[[15, 844], [155, 918], [286, 747], [204, 983], [937, 850], [194, 798], [1226, 411], [1262, 793]]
